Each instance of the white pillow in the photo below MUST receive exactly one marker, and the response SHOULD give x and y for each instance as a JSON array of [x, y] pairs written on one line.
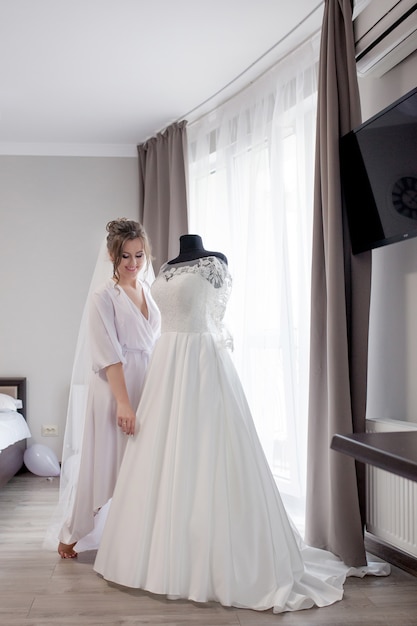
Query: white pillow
[[7, 403]]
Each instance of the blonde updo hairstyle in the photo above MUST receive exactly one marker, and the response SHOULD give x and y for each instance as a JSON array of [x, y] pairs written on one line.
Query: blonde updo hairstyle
[[120, 231]]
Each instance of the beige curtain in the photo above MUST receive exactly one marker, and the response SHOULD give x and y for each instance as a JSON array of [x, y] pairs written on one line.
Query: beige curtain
[[163, 191], [339, 312]]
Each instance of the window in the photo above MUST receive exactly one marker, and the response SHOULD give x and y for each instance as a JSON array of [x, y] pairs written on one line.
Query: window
[[251, 170]]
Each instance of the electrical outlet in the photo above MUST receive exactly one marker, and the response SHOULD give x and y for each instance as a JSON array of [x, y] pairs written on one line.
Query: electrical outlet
[[49, 430]]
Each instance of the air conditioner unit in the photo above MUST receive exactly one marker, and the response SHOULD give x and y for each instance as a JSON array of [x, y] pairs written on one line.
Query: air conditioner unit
[[385, 33]]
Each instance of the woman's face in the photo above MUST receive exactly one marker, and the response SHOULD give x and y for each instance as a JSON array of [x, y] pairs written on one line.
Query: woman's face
[[133, 259]]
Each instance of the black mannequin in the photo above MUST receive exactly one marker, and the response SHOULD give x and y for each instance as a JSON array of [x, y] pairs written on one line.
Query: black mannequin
[[191, 247]]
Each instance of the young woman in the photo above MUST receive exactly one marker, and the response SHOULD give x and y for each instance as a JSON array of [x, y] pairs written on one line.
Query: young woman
[[123, 325]]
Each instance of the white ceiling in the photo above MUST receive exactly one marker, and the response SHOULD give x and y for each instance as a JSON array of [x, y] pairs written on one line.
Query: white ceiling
[[101, 76]]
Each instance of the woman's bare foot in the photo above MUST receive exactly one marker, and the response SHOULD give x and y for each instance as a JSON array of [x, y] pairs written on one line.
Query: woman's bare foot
[[66, 551]]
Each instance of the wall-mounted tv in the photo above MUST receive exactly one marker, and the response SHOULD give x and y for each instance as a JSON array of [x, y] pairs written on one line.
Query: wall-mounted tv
[[378, 165]]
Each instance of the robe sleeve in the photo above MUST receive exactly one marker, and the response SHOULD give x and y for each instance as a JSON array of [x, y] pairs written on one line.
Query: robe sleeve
[[104, 342]]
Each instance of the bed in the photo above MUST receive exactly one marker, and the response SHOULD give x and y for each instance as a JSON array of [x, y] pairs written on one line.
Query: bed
[[13, 427]]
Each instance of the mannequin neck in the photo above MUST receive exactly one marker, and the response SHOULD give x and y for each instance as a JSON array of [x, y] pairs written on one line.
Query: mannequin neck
[[190, 243], [191, 248]]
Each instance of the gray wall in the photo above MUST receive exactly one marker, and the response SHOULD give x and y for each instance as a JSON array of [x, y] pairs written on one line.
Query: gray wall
[[392, 372], [53, 213]]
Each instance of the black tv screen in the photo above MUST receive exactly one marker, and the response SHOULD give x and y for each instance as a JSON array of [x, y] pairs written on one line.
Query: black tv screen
[[378, 166]]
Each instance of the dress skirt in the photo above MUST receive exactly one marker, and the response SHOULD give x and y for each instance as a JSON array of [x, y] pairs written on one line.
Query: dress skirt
[[196, 512]]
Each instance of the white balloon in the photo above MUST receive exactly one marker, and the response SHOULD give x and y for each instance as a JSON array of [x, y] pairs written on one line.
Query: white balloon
[[41, 460]]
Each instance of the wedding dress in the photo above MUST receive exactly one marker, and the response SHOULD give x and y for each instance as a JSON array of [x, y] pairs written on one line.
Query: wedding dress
[[196, 512]]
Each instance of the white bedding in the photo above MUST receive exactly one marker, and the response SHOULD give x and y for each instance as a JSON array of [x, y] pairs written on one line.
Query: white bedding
[[13, 427]]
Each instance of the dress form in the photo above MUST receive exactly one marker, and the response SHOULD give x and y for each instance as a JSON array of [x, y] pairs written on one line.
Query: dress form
[[191, 247], [196, 511]]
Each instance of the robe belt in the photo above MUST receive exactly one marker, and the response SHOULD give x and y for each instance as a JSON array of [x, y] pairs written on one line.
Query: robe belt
[[125, 349]]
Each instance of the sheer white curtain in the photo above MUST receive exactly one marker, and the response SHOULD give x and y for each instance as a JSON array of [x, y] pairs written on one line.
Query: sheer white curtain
[[251, 166]]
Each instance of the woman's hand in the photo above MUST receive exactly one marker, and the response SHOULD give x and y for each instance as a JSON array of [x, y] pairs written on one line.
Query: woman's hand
[[126, 418]]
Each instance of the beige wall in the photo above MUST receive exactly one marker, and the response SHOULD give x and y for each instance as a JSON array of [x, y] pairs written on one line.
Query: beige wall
[[53, 213], [392, 378]]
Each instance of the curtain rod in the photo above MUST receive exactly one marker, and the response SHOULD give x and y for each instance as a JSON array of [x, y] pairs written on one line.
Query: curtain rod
[[184, 117]]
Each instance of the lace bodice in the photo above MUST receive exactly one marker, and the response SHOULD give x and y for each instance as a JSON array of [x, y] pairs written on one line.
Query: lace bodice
[[193, 296]]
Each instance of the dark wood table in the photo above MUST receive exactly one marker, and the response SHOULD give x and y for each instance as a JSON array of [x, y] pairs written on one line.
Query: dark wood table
[[395, 452]]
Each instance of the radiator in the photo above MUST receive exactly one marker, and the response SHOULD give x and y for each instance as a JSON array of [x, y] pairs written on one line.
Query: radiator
[[391, 505]]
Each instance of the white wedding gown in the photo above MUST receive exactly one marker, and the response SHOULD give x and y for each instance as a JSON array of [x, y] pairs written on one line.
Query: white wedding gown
[[196, 512]]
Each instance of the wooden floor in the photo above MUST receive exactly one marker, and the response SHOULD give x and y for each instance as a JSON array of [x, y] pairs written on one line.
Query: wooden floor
[[38, 588]]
